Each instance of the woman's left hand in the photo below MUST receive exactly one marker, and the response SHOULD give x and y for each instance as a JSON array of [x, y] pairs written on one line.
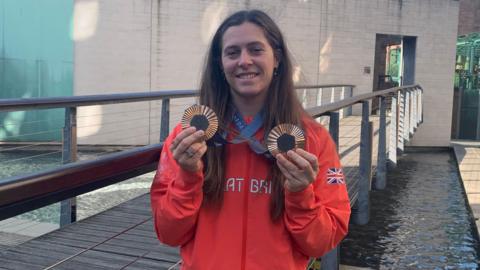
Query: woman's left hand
[[299, 167]]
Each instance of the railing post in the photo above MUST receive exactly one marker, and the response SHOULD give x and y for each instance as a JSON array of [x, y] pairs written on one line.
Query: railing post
[[392, 144], [342, 97], [350, 108], [68, 207], [401, 121], [421, 105], [406, 120], [330, 261], [414, 109], [304, 98], [361, 210], [333, 127], [165, 119], [412, 113], [319, 96], [381, 175]]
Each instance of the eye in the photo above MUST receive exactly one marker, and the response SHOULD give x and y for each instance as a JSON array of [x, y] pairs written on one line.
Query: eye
[[231, 53], [257, 50]]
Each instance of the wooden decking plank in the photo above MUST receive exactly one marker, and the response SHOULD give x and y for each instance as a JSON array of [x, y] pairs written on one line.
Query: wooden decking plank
[[10, 264], [125, 215], [163, 255], [99, 227], [28, 258], [54, 254], [119, 222], [140, 209], [129, 251], [158, 254], [142, 232], [74, 265], [69, 242], [146, 264], [150, 239], [40, 245], [100, 259], [150, 245], [89, 231], [81, 237]]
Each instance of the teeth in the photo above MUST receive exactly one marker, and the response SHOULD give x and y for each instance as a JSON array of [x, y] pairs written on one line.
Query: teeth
[[247, 76]]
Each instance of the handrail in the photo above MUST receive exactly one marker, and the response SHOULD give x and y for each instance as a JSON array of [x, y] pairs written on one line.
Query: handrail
[[322, 110], [323, 86], [88, 100], [24, 193]]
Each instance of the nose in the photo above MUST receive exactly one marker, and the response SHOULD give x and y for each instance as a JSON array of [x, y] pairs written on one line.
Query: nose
[[245, 59]]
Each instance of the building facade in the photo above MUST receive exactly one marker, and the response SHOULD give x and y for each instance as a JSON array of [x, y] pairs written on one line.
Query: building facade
[[148, 45]]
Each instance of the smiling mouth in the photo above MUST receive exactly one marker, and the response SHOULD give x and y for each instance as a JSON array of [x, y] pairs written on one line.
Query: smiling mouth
[[246, 75]]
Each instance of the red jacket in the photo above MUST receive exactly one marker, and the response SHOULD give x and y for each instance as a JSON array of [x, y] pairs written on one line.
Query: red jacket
[[240, 233]]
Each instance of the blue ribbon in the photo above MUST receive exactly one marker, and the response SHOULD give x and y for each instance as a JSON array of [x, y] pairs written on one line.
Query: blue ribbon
[[246, 133]]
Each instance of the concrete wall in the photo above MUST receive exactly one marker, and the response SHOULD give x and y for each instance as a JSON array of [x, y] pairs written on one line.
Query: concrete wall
[[142, 45]]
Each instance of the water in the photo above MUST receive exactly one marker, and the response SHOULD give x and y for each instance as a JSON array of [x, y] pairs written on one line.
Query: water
[[420, 221]]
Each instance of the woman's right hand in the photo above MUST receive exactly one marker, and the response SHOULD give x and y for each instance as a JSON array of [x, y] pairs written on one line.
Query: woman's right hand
[[188, 148]]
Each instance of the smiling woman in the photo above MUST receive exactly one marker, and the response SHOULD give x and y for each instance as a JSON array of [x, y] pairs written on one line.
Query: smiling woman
[[248, 63], [225, 200]]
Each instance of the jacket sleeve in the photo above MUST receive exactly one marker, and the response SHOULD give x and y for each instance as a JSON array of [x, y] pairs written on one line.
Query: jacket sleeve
[[317, 217], [175, 203]]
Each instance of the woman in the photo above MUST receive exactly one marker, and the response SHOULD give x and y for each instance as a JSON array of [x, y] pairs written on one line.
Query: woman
[[229, 206]]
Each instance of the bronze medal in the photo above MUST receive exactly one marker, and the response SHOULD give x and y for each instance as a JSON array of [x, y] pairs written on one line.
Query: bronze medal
[[285, 137], [202, 118]]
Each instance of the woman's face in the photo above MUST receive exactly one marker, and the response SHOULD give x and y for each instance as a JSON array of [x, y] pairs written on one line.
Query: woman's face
[[247, 61]]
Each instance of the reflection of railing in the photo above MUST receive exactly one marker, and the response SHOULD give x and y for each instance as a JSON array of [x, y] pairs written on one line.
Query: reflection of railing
[[24, 193]]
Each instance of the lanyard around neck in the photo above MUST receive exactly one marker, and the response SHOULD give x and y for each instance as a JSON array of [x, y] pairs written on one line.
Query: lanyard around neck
[[246, 133]]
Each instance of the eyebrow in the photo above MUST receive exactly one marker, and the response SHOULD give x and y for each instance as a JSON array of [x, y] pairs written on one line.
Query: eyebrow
[[253, 43]]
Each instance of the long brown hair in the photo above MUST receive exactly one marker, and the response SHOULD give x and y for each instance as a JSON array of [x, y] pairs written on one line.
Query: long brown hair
[[214, 92]]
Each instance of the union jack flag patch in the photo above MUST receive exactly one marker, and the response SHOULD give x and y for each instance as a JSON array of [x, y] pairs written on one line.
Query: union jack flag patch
[[335, 176]]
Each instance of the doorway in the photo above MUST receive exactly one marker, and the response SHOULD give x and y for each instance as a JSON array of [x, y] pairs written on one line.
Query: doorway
[[394, 62]]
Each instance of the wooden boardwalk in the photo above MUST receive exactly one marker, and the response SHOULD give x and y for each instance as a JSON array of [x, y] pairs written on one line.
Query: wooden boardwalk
[[123, 237], [120, 238]]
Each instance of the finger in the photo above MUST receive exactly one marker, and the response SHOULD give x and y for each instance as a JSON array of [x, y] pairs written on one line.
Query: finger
[[285, 162], [196, 147], [197, 136], [304, 173], [300, 162], [200, 151], [182, 135], [284, 170], [311, 158]]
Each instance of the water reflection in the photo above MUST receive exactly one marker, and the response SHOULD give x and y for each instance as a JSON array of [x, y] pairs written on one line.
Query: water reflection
[[419, 222]]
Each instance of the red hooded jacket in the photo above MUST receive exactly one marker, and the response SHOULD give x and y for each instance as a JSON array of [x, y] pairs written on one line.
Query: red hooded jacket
[[240, 233]]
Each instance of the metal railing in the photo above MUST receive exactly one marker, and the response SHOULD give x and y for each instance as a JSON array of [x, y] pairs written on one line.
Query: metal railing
[[69, 147], [20, 194]]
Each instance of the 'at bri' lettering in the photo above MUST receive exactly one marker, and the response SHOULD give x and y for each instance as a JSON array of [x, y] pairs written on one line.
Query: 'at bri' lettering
[[256, 185]]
